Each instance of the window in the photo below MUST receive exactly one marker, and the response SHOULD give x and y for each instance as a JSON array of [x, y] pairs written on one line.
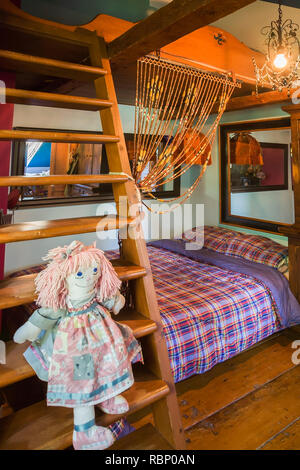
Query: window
[[50, 158]]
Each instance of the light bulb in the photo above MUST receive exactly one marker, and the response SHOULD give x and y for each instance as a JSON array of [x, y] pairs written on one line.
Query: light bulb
[[280, 61]]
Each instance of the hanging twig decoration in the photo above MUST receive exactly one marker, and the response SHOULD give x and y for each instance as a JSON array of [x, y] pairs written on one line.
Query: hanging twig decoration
[[173, 103]]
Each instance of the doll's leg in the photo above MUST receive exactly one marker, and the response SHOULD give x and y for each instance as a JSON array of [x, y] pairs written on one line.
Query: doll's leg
[[114, 406], [86, 435]]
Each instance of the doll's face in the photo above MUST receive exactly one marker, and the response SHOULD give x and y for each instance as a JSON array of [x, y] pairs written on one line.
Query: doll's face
[[81, 283]]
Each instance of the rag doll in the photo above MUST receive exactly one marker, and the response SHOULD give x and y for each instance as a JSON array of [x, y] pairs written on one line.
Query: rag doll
[[83, 354]]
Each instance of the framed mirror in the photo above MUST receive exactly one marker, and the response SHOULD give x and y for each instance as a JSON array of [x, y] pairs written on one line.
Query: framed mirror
[[256, 174]]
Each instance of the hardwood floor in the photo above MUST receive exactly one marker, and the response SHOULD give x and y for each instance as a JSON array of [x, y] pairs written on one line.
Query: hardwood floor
[[249, 402]]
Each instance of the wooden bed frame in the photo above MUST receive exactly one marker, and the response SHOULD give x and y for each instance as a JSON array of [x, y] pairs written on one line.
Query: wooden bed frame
[[213, 57], [35, 426], [222, 52], [124, 40], [293, 231]]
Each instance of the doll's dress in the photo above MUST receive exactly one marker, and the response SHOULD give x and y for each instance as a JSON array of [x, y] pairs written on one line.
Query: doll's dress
[[85, 356]]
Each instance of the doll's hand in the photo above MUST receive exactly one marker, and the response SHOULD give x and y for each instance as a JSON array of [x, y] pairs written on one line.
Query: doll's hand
[[27, 332], [114, 304], [119, 303]]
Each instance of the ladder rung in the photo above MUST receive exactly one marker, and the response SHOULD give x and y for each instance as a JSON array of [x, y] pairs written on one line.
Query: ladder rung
[[17, 368], [48, 136], [144, 438], [60, 179], [126, 271], [54, 100], [21, 290], [140, 325], [61, 227], [41, 65], [39, 427]]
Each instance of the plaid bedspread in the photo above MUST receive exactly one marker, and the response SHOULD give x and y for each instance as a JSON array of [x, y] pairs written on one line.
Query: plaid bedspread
[[209, 314], [241, 245]]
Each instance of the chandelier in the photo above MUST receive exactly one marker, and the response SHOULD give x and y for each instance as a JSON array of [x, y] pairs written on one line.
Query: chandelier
[[283, 55]]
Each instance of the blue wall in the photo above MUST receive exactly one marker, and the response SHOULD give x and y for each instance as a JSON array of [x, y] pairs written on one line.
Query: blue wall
[[42, 156], [75, 12]]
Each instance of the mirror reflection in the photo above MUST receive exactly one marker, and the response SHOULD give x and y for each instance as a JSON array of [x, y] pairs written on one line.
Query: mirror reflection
[[258, 173]]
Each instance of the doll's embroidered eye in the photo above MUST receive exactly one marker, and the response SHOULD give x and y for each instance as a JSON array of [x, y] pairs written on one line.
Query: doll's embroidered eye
[[79, 274], [95, 270]]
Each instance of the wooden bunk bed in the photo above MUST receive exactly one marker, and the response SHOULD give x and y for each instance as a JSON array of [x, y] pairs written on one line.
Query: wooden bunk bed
[[153, 382], [154, 387]]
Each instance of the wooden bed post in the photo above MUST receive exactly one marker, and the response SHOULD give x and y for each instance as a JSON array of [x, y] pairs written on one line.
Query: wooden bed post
[[293, 231]]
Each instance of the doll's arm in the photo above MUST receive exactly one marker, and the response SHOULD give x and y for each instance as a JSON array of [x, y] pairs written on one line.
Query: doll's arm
[[119, 303], [115, 304], [27, 332], [41, 319]]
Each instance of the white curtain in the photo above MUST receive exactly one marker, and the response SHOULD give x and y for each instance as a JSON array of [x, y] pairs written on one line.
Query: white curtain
[[31, 149]]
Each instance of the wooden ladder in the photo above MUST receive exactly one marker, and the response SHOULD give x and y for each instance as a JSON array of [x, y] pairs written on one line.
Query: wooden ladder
[[36, 426]]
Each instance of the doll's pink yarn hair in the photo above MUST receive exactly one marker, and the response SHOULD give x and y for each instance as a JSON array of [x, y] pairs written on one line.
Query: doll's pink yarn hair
[[62, 261]]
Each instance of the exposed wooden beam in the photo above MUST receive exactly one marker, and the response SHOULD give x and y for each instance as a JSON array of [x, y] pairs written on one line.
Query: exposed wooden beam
[[253, 101], [167, 24]]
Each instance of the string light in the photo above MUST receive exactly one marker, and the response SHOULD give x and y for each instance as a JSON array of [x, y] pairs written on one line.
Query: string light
[[173, 103]]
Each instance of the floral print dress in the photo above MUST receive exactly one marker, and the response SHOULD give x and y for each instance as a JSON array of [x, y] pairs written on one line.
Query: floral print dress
[[83, 354]]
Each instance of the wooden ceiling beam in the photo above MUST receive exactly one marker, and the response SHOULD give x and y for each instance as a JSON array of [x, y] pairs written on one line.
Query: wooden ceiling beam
[[253, 101], [166, 25]]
